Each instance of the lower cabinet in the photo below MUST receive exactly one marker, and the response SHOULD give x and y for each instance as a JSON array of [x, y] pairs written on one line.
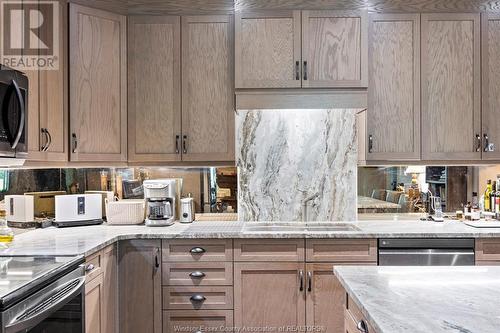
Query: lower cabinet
[[139, 274], [269, 295], [94, 311], [488, 252], [197, 321], [101, 287]]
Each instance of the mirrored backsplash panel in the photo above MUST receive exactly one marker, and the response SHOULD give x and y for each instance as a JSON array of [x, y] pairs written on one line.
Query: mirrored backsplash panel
[[214, 189]]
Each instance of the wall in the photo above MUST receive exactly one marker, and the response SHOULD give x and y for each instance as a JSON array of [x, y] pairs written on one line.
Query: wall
[[285, 156]]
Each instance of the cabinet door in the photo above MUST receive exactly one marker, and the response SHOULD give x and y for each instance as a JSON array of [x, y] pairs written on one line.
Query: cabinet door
[[334, 48], [109, 262], [451, 118], [269, 295], [393, 127], [491, 85], [93, 305], [140, 286], [154, 87], [98, 89], [207, 88], [267, 48]]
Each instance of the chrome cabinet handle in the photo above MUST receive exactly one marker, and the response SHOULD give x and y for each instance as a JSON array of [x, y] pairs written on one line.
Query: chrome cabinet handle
[[89, 268], [197, 275], [75, 142], [43, 147], [177, 138], [197, 250], [309, 281], [362, 326], [197, 298], [297, 70], [370, 143], [301, 278], [305, 70], [486, 142], [184, 144], [478, 139], [49, 137]]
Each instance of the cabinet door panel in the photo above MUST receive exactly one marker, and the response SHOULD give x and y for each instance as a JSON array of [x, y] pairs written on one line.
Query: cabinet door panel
[[93, 306], [268, 295], [109, 262], [334, 48], [393, 127], [491, 84], [267, 48], [207, 88], [98, 84], [451, 87], [140, 286], [154, 88]]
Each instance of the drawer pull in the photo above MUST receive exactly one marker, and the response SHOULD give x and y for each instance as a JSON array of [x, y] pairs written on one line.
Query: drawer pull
[[89, 268], [197, 298], [362, 327], [198, 331], [197, 250], [197, 275]]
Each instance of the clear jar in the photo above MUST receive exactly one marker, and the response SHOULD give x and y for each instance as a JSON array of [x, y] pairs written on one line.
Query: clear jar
[[6, 233]]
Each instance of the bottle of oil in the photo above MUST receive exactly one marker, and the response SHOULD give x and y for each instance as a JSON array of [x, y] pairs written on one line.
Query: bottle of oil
[[487, 197], [6, 234]]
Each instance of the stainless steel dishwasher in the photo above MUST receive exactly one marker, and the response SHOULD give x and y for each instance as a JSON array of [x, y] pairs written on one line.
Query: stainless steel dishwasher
[[426, 252]]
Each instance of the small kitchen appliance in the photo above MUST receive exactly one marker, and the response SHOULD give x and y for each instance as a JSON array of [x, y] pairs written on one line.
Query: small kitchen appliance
[[44, 203], [159, 195], [78, 210], [187, 210], [436, 209], [19, 208]]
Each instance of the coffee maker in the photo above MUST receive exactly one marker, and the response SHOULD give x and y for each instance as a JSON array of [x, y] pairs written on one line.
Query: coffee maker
[[160, 202]]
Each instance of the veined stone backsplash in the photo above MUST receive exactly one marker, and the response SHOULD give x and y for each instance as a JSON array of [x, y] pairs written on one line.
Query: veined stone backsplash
[[285, 156]]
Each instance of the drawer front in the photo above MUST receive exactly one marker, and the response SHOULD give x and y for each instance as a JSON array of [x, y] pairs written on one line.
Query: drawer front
[[198, 298], [354, 313], [269, 250], [197, 321], [341, 250], [93, 266], [197, 250], [488, 249], [198, 274]]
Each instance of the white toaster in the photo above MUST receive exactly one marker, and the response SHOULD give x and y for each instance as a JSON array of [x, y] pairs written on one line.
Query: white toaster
[[19, 208], [78, 209]]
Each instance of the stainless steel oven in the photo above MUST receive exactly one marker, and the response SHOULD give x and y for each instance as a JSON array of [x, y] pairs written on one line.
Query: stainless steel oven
[[426, 252], [14, 113], [55, 304]]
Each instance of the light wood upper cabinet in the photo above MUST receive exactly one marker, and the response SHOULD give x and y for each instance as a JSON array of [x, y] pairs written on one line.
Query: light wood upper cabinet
[[47, 102], [491, 85], [393, 116], [269, 295], [154, 88], [334, 50], [139, 274], [451, 115], [207, 88], [267, 48], [98, 104]]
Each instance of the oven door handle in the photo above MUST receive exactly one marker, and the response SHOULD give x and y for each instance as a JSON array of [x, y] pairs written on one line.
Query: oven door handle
[[22, 116], [45, 310]]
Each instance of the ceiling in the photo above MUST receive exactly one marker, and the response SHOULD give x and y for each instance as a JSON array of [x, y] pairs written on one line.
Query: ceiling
[[187, 7]]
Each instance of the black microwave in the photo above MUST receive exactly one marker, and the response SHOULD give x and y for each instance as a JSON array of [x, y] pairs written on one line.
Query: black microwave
[[14, 113]]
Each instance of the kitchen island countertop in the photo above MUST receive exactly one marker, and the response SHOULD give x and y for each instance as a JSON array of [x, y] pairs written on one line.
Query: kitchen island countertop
[[87, 240], [460, 299]]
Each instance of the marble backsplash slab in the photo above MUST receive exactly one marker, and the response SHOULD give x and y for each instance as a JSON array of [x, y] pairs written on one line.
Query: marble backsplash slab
[[284, 156]]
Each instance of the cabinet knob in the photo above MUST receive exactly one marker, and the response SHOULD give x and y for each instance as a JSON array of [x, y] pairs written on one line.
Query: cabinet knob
[[197, 298], [362, 326], [197, 250], [197, 275]]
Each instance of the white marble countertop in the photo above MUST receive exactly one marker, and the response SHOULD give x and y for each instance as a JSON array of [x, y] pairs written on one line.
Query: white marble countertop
[[426, 299], [87, 240]]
